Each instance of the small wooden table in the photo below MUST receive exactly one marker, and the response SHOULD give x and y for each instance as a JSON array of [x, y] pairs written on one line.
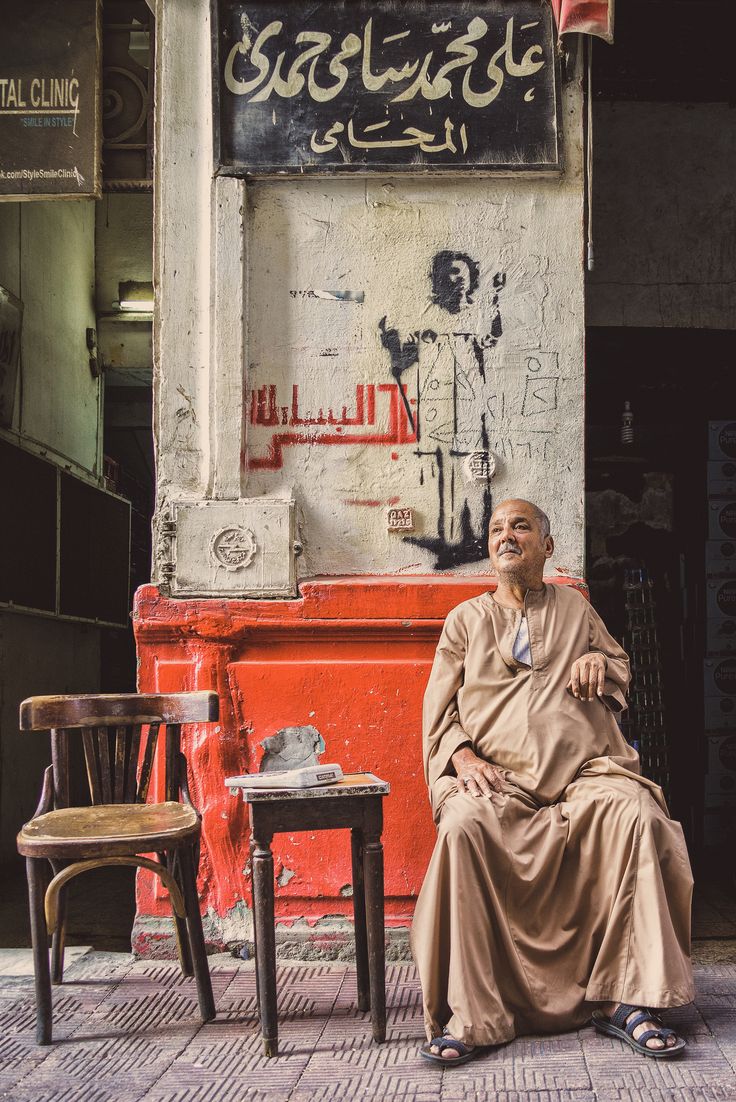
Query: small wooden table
[[355, 802]]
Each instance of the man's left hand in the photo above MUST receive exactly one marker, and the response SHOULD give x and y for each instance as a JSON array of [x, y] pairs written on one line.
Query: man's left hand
[[588, 676]]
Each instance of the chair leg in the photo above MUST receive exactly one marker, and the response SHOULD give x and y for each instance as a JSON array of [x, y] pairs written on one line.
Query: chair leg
[[36, 873], [58, 940], [171, 861], [196, 934]]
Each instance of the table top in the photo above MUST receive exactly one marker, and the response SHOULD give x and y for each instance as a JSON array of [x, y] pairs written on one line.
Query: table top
[[352, 784]]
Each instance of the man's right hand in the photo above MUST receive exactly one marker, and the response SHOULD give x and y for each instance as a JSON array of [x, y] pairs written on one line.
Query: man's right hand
[[475, 775]]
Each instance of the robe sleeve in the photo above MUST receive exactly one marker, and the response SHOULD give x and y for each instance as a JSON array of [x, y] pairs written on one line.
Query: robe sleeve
[[441, 729], [618, 673]]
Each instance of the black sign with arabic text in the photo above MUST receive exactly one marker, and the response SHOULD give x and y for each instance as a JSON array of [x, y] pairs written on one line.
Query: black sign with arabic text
[[388, 85]]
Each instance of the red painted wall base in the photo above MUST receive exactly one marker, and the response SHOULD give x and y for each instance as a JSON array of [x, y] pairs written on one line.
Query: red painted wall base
[[351, 657]]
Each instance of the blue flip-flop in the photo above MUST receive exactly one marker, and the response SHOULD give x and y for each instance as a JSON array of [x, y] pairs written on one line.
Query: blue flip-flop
[[464, 1052]]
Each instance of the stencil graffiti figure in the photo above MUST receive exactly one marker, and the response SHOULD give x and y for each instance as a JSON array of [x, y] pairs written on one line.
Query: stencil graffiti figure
[[448, 372], [455, 276]]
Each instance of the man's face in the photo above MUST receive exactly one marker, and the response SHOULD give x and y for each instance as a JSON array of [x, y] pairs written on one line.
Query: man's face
[[452, 280], [458, 278], [516, 546]]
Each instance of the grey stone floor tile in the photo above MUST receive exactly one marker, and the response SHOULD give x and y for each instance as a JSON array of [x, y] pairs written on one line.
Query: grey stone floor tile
[[613, 1065], [476, 1091], [391, 1090], [19, 1056], [712, 979], [529, 1064], [19, 962], [712, 1092], [70, 1093], [392, 1072], [223, 1090]]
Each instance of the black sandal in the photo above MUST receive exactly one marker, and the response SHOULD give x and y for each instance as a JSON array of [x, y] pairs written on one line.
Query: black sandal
[[464, 1052], [617, 1026]]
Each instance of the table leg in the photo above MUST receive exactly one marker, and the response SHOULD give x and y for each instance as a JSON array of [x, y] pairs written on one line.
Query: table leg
[[373, 865], [252, 850], [361, 932], [263, 916]]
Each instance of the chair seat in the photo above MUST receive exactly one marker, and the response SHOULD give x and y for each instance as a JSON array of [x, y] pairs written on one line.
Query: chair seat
[[108, 830]]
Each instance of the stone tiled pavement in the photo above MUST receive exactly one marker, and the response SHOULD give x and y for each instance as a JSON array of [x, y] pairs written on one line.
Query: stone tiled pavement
[[128, 1031]]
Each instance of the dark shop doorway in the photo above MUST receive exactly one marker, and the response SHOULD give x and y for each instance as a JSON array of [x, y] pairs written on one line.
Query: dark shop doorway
[[658, 484]]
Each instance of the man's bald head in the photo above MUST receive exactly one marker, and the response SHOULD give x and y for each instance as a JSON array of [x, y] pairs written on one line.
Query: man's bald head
[[545, 528]]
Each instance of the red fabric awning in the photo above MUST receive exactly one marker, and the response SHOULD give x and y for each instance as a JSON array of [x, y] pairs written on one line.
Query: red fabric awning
[[585, 17]]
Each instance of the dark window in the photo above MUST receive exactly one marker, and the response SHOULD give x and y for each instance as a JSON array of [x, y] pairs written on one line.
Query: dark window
[[95, 543], [28, 539]]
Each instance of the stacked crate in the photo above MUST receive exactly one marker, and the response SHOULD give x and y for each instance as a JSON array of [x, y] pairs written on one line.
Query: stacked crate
[[643, 723], [720, 636]]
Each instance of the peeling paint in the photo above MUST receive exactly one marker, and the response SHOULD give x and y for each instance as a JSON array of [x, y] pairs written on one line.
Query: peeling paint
[[292, 748]]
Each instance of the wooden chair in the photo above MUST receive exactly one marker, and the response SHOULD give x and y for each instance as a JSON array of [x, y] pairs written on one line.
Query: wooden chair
[[118, 732]]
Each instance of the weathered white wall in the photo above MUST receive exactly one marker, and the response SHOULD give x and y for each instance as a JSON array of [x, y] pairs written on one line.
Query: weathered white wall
[[47, 259], [222, 336], [378, 238], [664, 211]]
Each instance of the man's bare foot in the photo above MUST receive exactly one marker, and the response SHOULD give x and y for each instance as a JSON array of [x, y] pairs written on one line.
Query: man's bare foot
[[444, 1049], [449, 1053], [652, 1042]]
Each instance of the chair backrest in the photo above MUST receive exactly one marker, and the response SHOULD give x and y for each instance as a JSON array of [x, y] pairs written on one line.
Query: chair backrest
[[112, 727]]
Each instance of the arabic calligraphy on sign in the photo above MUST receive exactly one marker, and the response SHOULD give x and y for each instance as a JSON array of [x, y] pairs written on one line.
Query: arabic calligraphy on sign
[[368, 82], [494, 64], [412, 136]]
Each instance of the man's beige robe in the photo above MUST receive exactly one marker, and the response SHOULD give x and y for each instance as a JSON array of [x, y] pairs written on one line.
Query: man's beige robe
[[573, 885]]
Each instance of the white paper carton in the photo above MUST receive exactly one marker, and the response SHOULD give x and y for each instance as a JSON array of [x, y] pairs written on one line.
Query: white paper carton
[[720, 713], [311, 776], [722, 478], [722, 754], [720, 558], [719, 676], [722, 518]]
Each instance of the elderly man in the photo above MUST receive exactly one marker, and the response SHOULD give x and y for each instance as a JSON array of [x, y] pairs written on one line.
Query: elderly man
[[559, 888]]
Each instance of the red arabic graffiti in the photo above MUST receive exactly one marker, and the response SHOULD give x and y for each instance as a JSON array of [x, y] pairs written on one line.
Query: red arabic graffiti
[[266, 411]]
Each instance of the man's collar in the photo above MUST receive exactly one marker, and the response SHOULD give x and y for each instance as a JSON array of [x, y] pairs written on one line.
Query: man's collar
[[532, 597]]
